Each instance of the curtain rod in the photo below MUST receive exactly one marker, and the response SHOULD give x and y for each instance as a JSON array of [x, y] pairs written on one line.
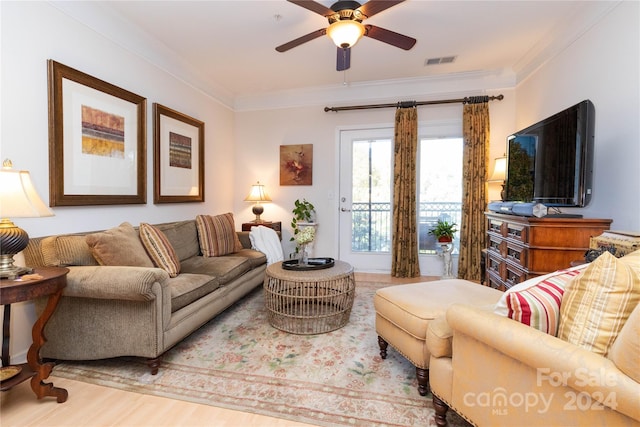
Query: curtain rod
[[406, 104]]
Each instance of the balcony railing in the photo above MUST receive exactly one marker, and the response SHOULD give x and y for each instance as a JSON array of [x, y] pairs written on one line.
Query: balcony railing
[[371, 225]]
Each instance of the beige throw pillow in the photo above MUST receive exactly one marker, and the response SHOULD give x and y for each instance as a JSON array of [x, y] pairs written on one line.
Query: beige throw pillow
[[61, 251], [159, 249], [119, 246], [598, 303], [217, 235]]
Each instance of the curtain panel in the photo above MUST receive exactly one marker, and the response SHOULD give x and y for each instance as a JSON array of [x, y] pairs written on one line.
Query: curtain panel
[[405, 228], [475, 122]]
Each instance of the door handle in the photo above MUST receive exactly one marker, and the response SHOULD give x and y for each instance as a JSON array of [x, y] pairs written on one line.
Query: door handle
[[345, 210]]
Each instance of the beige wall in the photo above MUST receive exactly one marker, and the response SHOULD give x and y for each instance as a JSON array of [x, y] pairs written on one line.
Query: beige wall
[[603, 66]]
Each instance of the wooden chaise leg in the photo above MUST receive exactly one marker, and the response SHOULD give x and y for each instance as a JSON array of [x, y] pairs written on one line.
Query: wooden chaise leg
[[154, 365], [441, 409], [383, 347], [423, 381]]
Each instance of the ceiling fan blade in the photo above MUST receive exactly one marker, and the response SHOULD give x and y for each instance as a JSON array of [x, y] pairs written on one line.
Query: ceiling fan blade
[[313, 7], [300, 40], [344, 59], [389, 37], [372, 7]]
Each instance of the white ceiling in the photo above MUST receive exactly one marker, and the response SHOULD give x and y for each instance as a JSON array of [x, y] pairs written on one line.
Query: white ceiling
[[227, 48]]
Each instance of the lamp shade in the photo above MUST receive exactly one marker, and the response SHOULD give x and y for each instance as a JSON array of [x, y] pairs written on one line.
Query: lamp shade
[[18, 196], [257, 194], [18, 199], [499, 170], [345, 33]]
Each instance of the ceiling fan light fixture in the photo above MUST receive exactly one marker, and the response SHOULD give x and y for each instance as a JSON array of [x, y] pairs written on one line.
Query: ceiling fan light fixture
[[345, 33]]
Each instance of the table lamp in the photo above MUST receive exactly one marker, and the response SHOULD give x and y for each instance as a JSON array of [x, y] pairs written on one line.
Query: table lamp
[[18, 199], [258, 195], [499, 173]]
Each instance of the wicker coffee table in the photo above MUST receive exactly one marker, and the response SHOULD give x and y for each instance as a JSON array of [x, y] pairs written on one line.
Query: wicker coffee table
[[309, 302]]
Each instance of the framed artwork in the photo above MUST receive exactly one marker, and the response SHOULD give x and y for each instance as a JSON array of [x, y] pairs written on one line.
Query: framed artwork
[[97, 141], [178, 157], [296, 164]]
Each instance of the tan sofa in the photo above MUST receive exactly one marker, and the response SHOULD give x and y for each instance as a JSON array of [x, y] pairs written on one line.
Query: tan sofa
[[494, 370], [111, 311]]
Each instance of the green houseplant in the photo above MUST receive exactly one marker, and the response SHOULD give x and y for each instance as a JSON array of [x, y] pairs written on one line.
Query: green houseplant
[[444, 230], [303, 211]]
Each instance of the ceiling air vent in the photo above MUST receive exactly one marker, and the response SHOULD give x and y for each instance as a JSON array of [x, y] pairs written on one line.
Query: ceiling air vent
[[441, 60]]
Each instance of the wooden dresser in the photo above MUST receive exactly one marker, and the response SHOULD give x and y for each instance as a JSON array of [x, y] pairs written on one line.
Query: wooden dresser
[[519, 248]]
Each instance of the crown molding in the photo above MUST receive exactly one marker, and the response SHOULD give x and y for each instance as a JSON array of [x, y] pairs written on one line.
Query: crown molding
[[379, 91], [112, 26], [563, 35]]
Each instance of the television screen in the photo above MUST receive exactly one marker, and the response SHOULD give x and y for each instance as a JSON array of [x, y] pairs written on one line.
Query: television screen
[[551, 161]]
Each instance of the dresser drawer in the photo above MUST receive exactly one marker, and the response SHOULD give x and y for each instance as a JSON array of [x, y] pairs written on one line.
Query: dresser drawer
[[519, 232], [495, 282], [496, 226], [516, 254], [497, 245], [513, 275], [496, 265]]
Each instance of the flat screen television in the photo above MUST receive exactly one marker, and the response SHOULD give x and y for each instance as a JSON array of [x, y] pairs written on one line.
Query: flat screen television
[[551, 162]]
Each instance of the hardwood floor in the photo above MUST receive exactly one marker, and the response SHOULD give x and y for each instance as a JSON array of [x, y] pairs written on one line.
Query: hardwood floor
[[92, 405]]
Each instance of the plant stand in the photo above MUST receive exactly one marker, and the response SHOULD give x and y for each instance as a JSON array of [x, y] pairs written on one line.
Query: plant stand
[[447, 248]]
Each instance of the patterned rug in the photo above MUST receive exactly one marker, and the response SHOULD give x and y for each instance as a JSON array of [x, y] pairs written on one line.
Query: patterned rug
[[239, 361]]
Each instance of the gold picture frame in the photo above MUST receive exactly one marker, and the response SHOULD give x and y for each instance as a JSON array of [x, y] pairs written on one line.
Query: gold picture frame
[[97, 141], [178, 157], [296, 164]]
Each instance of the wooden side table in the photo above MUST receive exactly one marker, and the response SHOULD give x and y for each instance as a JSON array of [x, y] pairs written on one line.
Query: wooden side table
[[277, 226], [52, 282]]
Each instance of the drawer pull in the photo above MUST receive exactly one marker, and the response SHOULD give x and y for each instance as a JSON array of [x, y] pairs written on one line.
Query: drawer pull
[[512, 253]]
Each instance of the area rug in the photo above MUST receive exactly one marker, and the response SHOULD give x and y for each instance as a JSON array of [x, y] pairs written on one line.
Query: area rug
[[238, 361]]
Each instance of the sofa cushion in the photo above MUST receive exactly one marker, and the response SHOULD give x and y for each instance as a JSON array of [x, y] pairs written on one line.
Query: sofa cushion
[[224, 269], [538, 306], [119, 246], [62, 251], [598, 303], [255, 258], [159, 249], [183, 236], [217, 235], [187, 287], [626, 348]]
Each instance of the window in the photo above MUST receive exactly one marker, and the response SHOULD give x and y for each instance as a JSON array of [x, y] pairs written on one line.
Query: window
[[439, 188], [439, 192]]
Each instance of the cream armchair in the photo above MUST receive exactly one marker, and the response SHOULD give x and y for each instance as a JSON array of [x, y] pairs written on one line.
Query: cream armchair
[[496, 371]]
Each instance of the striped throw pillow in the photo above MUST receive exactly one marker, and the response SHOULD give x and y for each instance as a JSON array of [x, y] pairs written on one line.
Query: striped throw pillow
[[159, 249], [217, 235], [597, 305], [539, 306]]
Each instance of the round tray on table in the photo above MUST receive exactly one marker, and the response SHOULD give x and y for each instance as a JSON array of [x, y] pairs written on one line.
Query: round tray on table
[[312, 264]]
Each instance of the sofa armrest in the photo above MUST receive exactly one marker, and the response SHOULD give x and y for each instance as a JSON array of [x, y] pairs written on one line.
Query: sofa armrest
[[555, 361], [440, 334], [244, 239], [122, 283]]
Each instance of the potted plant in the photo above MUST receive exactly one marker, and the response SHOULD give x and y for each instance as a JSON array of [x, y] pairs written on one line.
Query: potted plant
[[303, 212], [444, 230]]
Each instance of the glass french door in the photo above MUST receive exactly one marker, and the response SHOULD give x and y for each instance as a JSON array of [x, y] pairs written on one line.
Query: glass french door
[[366, 177], [366, 185]]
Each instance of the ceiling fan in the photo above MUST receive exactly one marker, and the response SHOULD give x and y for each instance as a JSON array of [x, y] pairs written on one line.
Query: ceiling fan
[[346, 28]]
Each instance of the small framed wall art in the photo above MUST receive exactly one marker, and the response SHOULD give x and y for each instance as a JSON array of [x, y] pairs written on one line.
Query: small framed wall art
[[296, 164], [97, 141], [178, 157]]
